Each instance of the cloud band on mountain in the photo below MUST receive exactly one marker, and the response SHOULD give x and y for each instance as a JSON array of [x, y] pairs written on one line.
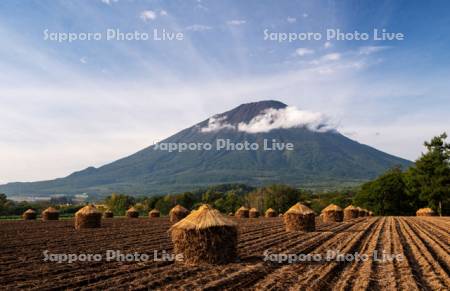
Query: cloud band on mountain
[[270, 119], [217, 123]]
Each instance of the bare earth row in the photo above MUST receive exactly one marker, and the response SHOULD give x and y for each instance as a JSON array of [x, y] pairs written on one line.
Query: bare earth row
[[377, 253]]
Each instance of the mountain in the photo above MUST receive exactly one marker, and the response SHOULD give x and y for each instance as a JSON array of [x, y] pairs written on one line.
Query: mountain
[[321, 156]]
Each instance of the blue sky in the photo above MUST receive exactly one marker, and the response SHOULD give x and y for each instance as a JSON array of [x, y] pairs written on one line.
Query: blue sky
[[66, 106]]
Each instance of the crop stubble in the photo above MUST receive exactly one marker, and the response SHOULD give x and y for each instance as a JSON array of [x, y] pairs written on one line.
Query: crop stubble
[[422, 241]]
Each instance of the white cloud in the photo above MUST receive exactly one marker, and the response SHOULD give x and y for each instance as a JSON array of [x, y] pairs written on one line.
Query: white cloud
[[236, 22], [291, 19], [108, 2], [83, 60], [147, 15], [288, 117], [332, 57], [271, 119], [305, 15], [367, 50], [217, 123], [303, 51], [198, 27], [327, 44], [163, 13]]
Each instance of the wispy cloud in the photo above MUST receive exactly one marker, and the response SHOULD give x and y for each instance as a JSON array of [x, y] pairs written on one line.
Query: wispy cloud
[[198, 27], [367, 50], [332, 57], [147, 15], [291, 19], [217, 123], [236, 22], [108, 2], [303, 51]]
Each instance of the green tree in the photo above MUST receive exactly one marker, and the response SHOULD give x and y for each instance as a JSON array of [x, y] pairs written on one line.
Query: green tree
[[187, 200], [119, 203], [165, 203], [429, 179], [211, 195], [386, 195], [3, 204], [278, 197], [232, 201], [219, 204]]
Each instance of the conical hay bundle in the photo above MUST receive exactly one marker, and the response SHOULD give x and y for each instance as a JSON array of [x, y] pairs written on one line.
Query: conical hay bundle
[[231, 214], [332, 213], [50, 214], [178, 213], [370, 213], [270, 213], [332, 207], [425, 212], [242, 212], [205, 236], [253, 213], [361, 212], [108, 214], [154, 213], [88, 217], [30, 214], [132, 213], [350, 212], [280, 215], [300, 209], [299, 218]]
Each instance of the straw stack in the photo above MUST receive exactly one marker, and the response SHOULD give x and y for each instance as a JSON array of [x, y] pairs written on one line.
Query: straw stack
[[30, 214], [205, 236], [332, 213], [425, 212], [299, 218], [361, 212], [88, 217], [50, 214], [242, 212], [132, 213], [270, 213], [108, 214], [350, 212], [178, 213], [154, 213], [253, 213]]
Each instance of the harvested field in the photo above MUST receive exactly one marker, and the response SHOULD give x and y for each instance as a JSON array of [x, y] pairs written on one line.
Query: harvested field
[[423, 243]]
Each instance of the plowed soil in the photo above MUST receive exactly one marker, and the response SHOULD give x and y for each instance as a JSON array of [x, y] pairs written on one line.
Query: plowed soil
[[421, 246]]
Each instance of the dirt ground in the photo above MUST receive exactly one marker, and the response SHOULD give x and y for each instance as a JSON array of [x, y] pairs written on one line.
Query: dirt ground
[[420, 244]]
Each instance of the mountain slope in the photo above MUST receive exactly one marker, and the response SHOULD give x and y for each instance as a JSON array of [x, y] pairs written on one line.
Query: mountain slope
[[318, 157]]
